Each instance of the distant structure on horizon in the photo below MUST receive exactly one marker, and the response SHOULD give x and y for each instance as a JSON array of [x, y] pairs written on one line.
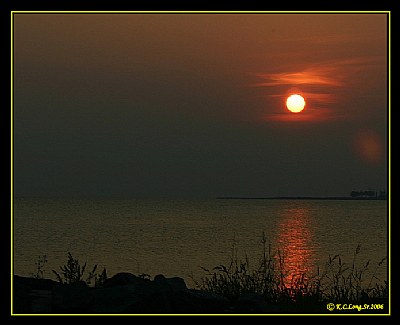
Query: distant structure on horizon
[[369, 194]]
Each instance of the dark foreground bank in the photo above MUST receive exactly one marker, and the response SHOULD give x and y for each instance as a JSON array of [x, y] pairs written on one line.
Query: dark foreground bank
[[125, 293]]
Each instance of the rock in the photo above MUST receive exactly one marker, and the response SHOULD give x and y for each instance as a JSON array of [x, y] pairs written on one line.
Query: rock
[[161, 296], [115, 299], [137, 296], [160, 279], [194, 301], [122, 278], [41, 301], [157, 302], [250, 303], [32, 295], [22, 301], [72, 298], [175, 283], [35, 284], [161, 299]]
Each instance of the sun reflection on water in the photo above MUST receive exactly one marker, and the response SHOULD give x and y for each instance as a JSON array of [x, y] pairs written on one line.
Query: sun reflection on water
[[296, 247]]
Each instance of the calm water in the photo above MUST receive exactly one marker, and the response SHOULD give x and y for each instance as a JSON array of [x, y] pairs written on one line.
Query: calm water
[[175, 237]]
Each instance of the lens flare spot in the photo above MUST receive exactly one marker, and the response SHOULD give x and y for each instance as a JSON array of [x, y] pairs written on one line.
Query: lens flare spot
[[368, 147]]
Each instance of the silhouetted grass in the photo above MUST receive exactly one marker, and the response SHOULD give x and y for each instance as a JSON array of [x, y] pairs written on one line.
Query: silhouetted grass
[[73, 272], [40, 267], [338, 282]]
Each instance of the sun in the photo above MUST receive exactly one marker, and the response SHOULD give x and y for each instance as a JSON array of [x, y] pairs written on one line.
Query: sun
[[295, 103]]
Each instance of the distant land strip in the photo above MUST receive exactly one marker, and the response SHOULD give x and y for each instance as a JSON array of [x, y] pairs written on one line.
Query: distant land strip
[[301, 198]]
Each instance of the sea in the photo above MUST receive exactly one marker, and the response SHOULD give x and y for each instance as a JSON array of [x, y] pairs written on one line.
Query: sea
[[184, 237]]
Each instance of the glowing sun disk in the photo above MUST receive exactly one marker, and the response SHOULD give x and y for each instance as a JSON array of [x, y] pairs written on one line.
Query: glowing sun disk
[[295, 103]]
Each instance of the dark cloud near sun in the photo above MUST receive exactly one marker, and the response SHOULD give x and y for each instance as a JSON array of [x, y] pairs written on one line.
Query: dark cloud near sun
[[322, 84]]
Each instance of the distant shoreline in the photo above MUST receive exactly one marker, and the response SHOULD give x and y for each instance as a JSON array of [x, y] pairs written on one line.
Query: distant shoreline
[[303, 198]]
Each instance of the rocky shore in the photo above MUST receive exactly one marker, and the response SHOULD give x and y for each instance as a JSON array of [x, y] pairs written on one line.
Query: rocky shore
[[125, 293]]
